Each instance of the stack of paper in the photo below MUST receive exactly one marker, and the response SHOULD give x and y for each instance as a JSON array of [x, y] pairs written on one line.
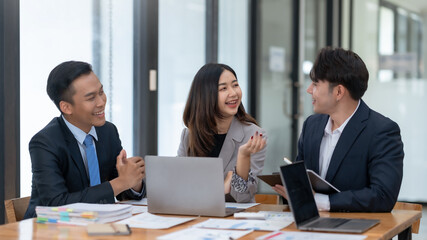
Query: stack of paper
[[83, 213]]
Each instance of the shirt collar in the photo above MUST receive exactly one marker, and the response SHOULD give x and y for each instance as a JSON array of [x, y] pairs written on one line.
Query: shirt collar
[[328, 126], [79, 134]]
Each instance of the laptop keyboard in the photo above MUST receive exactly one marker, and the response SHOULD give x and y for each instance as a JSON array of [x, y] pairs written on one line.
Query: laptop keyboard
[[327, 223]]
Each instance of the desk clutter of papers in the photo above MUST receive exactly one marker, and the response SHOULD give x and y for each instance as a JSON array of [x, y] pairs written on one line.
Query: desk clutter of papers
[[83, 213], [213, 228]]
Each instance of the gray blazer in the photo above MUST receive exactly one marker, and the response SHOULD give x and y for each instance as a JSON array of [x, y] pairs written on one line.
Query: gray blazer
[[237, 135]]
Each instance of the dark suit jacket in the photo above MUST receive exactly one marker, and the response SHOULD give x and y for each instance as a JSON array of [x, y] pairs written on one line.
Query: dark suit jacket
[[366, 165], [59, 174]]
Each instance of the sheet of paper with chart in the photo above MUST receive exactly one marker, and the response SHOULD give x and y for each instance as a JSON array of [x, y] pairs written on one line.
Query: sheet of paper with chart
[[202, 233], [136, 202], [278, 216], [309, 236], [151, 221], [266, 215], [139, 209], [240, 205], [262, 225]]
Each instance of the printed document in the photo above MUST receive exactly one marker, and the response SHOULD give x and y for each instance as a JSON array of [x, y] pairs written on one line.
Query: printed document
[[240, 205], [310, 236], [262, 225], [200, 233], [151, 221], [136, 202]]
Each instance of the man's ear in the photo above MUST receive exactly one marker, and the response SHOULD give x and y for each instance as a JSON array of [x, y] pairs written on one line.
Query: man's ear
[[66, 107], [340, 91]]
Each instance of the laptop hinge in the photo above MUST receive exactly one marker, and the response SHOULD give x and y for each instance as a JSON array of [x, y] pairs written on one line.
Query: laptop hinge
[[311, 220]]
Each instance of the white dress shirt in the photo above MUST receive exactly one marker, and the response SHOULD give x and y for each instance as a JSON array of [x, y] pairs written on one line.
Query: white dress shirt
[[327, 147], [80, 136]]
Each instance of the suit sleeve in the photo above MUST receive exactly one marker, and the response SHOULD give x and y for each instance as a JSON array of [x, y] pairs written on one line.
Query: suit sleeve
[[385, 168], [257, 164], [50, 182], [130, 193]]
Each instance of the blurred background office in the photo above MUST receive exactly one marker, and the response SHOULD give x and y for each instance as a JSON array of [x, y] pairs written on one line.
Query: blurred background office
[[146, 53]]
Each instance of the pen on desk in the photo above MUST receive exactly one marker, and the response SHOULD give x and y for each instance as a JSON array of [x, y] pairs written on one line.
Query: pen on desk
[[114, 228], [287, 161], [129, 231]]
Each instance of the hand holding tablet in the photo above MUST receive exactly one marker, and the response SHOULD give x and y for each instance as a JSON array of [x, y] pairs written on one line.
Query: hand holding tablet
[[318, 184]]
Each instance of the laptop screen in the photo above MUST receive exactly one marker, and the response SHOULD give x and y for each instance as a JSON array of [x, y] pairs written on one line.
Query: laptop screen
[[185, 185], [300, 195]]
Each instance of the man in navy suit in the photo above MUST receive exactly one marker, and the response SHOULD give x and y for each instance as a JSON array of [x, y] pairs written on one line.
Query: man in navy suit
[[356, 149], [78, 156]]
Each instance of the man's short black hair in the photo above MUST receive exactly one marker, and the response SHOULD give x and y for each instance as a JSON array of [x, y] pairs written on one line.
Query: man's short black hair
[[60, 78], [339, 66]]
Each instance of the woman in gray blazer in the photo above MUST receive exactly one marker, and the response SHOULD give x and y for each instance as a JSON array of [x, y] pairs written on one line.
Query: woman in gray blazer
[[218, 126]]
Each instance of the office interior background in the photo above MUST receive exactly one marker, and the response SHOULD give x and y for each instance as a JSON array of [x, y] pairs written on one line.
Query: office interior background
[[146, 53]]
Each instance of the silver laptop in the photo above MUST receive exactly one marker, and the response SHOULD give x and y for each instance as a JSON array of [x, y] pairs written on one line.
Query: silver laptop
[[303, 205], [186, 185]]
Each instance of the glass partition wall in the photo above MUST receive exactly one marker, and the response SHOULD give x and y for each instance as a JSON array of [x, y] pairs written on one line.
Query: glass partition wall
[[388, 37], [54, 31], [181, 54], [100, 32], [182, 51]]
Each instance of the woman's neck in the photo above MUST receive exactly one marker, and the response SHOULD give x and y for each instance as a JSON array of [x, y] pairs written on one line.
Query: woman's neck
[[223, 124]]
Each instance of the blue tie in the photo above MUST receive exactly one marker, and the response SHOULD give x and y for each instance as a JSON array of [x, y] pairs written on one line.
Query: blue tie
[[92, 161]]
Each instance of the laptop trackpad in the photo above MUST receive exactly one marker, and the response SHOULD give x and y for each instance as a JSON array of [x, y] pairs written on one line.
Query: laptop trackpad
[[327, 223], [359, 225]]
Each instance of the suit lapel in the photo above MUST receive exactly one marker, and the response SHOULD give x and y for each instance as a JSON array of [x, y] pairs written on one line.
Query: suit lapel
[[74, 149], [317, 139], [100, 153], [235, 133], [354, 127]]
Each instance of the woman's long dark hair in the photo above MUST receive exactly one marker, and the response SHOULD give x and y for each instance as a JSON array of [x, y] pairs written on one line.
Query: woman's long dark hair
[[202, 108]]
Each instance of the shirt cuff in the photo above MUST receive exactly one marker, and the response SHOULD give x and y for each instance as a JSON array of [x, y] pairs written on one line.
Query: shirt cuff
[[322, 202], [239, 184], [139, 194]]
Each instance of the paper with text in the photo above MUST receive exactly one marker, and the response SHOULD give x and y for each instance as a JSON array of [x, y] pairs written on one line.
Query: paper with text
[[139, 209], [310, 236], [266, 215], [151, 221], [262, 225], [240, 205], [136, 202], [203, 234]]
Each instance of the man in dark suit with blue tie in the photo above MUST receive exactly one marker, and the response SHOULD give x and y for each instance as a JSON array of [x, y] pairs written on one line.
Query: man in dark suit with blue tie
[[356, 149], [78, 156]]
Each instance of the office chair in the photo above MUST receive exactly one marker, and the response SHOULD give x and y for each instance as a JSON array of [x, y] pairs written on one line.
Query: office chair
[[267, 198], [15, 208]]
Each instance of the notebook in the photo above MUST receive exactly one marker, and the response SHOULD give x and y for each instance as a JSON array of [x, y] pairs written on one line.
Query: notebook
[[186, 185], [303, 206]]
